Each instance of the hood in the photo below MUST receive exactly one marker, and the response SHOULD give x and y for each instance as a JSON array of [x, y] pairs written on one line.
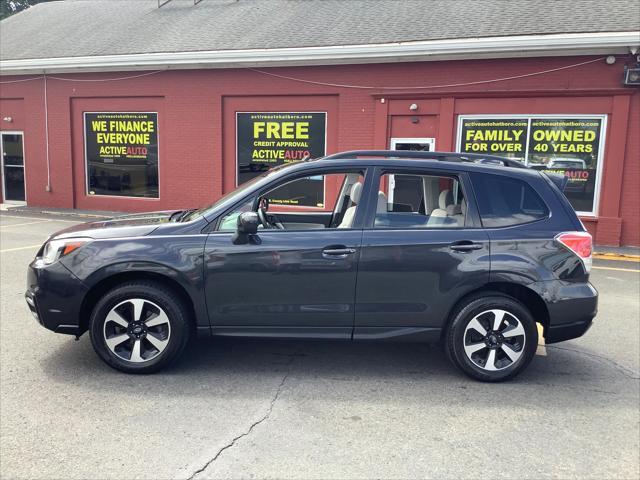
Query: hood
[[134, 225]]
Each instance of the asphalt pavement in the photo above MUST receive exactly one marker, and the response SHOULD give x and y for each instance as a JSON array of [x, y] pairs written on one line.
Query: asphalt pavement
[[239, 408]]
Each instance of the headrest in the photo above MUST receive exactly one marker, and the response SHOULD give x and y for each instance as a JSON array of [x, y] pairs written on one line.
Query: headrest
[[356, 190], [382, 203], [438, 212], [445, 198], [454, 210], [463, 206]]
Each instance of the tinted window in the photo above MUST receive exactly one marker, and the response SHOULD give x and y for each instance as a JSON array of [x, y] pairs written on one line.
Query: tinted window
[[506, 201]]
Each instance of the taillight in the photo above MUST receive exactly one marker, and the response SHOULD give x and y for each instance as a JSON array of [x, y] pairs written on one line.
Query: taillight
[[579, 243]]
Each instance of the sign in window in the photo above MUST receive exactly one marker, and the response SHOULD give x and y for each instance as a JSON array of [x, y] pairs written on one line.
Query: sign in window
[[561, 144], [121, 153], [268, 139]]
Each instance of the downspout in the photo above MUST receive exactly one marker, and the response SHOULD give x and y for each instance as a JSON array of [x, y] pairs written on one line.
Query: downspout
[[47, 187]]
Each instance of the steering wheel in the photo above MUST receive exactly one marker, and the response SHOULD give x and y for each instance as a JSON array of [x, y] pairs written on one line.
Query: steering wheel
[[263, 206]]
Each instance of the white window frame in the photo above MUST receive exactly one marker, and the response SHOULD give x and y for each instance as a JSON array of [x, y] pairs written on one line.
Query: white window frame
[[543, 116], [24, 169]]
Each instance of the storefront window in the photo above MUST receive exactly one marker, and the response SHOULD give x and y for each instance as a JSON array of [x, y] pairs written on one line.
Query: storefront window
[[266, 140], [562, 144], [122, 154]]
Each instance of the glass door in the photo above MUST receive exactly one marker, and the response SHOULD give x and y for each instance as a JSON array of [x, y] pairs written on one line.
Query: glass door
[[402, 187], [12, 150]]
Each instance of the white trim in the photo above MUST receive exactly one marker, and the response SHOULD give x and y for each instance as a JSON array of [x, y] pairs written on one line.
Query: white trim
[[324, 183], [529, 116], [24, 169], [601, 43], [86, 162]]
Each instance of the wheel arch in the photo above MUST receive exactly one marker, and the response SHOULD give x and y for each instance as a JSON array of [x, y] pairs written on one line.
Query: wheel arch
[[113, 279], [528, 297]]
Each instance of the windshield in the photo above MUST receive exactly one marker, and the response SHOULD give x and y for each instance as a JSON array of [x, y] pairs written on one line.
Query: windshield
[[566, 164]]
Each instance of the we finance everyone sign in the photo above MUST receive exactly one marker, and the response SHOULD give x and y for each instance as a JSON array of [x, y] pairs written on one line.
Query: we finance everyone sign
[[121, 135], [121, 151]]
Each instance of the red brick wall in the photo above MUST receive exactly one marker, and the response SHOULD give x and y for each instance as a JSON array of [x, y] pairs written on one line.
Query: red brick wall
[[197, 139]]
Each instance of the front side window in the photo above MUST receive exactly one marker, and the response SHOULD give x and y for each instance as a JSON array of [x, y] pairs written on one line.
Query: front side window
[[419, 201], [287, 207], [229, 222], [504, 201]]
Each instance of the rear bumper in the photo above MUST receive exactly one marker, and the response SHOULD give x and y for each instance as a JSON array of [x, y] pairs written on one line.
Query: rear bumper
[[54, 296], [571, 306]]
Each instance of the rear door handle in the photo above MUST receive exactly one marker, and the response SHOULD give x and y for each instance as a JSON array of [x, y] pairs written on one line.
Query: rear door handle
[[465, 246], [337, 252]]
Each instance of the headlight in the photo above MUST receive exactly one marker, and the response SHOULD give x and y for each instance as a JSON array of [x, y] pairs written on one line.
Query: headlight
[[56, 249]]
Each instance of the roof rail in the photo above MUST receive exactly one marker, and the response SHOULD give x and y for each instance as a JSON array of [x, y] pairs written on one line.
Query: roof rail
[[440, 156]]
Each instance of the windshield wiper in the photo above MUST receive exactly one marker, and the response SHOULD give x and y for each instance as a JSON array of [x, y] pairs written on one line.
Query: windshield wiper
[[180, 216]]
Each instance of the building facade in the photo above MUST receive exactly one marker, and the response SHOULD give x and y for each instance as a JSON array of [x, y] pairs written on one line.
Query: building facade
[[132, 139]]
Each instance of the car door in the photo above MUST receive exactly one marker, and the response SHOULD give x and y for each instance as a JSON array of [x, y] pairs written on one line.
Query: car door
[[295, 281], [420, 253]]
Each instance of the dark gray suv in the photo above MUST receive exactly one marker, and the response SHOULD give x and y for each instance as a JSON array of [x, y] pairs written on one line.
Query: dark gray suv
[[471, 251]]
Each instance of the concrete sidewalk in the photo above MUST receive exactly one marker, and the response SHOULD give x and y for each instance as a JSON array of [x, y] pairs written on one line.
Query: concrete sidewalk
[[601, 251]]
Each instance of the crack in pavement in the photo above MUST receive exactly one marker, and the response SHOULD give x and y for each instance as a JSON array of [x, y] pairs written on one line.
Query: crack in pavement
[[251, 427]]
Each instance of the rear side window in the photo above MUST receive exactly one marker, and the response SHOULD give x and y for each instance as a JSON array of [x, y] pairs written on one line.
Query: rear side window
[[504, 201]]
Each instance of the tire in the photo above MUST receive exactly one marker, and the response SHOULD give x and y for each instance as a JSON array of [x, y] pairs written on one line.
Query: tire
[[139, 327], [472, 336]]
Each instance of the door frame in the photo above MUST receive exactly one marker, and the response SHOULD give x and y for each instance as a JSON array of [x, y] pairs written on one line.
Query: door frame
[[4, 177]]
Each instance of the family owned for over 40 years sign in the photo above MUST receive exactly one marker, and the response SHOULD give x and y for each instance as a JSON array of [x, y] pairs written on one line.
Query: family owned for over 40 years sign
[[564, 145]]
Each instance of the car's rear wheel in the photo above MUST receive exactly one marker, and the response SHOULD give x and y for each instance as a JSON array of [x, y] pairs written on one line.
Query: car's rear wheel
[[492, 337], [139, 327]]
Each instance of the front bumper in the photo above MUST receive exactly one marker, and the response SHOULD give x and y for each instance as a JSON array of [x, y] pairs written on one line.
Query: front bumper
[[54, 296], [560, 333], [571, 306]]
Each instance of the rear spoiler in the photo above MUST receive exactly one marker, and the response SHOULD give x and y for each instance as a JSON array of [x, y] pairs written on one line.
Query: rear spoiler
[[559, 181]]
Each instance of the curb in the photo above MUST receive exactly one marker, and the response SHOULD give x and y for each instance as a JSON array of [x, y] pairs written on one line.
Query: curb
[[624, 257], [73, 214]]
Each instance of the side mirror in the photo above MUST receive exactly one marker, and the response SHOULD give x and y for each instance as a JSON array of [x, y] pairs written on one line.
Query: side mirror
[[248, 223], [246, 229]]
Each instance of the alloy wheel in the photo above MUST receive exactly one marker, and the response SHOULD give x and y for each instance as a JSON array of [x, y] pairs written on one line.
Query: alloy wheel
[[494, 340], [137, 330]]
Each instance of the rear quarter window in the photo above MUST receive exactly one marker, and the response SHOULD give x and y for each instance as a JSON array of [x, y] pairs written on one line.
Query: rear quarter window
[[504, 202]]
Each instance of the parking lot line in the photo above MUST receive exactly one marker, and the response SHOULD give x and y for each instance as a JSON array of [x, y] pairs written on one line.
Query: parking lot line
[[24, 224], [43, 219], [617, 269], [6, 250]]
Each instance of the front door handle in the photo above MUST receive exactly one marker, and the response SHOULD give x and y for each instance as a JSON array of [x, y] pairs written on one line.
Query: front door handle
[[465, 246], [337, 252]]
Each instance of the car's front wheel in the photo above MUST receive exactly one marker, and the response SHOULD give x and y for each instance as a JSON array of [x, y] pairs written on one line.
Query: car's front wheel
[[139, 327], [492, 337]]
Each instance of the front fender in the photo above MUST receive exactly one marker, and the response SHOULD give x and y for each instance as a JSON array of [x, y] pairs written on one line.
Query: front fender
[[178, 258]]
